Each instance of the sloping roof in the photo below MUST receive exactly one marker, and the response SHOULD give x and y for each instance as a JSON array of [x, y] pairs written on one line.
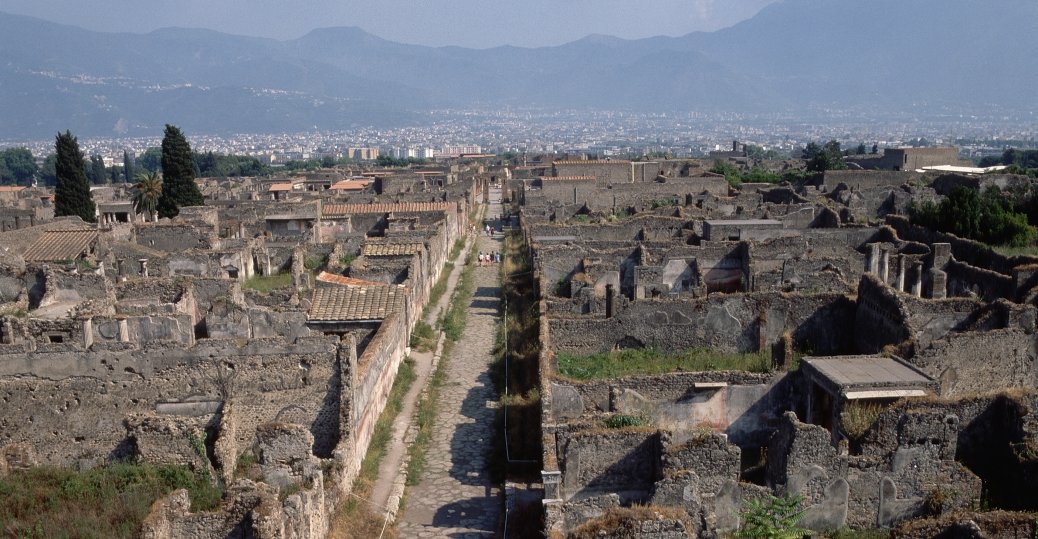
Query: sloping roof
[[11, 188], [343, 280], [567, 178], [350, 185], [332, 210], [390, 249], [591, 162], [355, 303], [855, 371], [280, 187], [55, 245]]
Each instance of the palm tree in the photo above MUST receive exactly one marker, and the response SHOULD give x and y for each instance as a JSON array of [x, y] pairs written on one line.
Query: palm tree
[[149, 188]]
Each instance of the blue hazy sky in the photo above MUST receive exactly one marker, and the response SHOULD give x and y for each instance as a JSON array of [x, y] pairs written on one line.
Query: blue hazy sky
[[469, 23]]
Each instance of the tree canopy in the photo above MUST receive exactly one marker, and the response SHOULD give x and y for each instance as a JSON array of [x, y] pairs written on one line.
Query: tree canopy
[[821, 158], [178, 175], [988, 217], [17, 165], [72, 194], [212, 165], [97, 172]]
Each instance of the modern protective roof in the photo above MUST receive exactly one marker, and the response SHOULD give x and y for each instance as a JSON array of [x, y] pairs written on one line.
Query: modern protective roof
[[390, 249], [57, 245], [334, 210], [848, 372], [355, 303]]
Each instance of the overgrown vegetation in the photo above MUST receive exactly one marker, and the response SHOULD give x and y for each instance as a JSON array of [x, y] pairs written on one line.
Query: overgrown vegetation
[[316, 261], [858, 417], [265, 284], [620, 421], [518, 344], [107, 501], [987, 216], [452, 322], [346, 260], [772, 518], [617, 363], [355, 517], [737, 177]]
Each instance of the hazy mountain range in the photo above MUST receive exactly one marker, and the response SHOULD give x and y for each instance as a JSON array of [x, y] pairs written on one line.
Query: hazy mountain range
[[903, 55]]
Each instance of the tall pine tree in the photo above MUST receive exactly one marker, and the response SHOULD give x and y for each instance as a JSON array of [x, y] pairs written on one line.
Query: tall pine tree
[[72, 193], [178, 172], [128, 172]]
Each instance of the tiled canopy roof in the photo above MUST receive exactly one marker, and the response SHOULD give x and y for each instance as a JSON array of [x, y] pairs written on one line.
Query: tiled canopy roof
[[355, 303], [343, 280], [333, 210], [390, 249], [57, 245]]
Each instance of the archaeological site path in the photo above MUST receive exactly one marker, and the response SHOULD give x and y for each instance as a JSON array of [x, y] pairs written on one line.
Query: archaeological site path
[[455, 497]]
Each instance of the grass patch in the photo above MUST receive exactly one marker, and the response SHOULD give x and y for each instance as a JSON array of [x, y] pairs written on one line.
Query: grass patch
[[355, 518], [426, 418], [108, 501], [423, 337], [622, 421], [266, 284], [453, 321], [617, 363], [440, 287]]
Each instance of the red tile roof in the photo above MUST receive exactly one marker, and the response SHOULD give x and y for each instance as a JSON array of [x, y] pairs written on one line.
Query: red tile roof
[[332, 210], [343, 280]]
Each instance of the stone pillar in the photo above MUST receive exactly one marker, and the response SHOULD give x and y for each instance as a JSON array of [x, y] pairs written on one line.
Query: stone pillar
[[917, 285], [6, 333], [88, 332], [241, 230], [610, 300], [120, 271], [901, 273], [941, 255], [124, 329], [872, 259], [938, 284], [552, 481], [144, 266], [884, 265]]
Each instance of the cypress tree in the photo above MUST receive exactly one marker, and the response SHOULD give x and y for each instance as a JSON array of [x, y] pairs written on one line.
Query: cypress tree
[[72, 193], [128, 172], [178, 172]]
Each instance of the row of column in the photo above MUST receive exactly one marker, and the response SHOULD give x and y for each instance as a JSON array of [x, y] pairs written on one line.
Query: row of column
[[878, 264]]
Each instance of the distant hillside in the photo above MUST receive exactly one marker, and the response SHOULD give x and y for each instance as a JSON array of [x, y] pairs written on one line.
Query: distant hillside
[[905, 55]]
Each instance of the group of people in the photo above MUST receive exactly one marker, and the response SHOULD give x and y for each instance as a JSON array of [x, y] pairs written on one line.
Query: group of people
[[488, 230], [488, 259]]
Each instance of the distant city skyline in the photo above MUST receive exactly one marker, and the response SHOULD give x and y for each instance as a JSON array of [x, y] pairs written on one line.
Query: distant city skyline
[[466, 23]]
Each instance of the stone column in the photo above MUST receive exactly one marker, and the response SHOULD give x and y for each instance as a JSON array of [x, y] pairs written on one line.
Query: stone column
[[6, 333], [872, 259], [610, 300], [901, 273], [884, 265], [144, 266], [938, 284], [124, 329], [88, 332], [917, 285]]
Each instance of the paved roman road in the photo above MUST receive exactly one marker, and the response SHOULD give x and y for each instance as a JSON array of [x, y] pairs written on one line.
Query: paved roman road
[[455, 497]]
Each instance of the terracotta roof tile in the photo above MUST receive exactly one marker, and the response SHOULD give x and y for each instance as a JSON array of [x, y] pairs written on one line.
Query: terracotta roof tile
[[56, 245], [350, 185], [390, 249], [578, 162], [333, 210], [343, 280], [568, 178], [355, 303]]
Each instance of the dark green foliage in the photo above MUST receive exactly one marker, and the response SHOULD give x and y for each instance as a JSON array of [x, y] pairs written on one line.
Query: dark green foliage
[[759, 153], [128, 172], [773, 518], [179, 189], [620, 421], [988, 217], [755, 175], [109, 501], [387, 161], [212, 165], [150, 160], [97, 173], [17, 165], [729, 171], [48, 171], [824, 157], [72, 194]]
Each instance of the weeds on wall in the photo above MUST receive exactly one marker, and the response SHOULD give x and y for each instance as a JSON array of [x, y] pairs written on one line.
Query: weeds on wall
[[858, 417], [617, 363]]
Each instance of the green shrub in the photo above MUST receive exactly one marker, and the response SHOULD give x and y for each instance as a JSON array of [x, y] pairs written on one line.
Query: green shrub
[[773, 518], [619, 421], [266, 284]]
